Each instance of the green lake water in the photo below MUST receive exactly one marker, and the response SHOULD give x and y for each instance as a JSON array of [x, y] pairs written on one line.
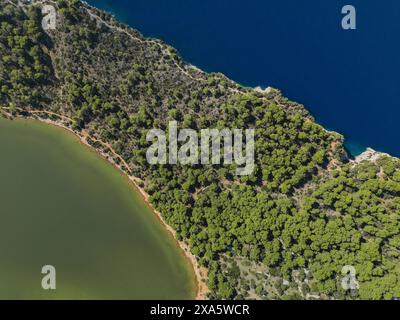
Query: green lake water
[[63, 205]]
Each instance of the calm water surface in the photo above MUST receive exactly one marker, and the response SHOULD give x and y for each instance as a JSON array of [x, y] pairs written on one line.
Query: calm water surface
[[63, 205]]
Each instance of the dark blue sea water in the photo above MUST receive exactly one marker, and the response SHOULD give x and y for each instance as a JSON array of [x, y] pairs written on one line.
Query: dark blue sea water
[[349, 80]]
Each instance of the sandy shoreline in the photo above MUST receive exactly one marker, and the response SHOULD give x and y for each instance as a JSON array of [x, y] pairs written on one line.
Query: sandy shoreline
[[200, 272]]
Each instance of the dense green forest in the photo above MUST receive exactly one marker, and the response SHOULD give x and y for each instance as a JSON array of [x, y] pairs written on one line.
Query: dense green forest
[[284, 232]]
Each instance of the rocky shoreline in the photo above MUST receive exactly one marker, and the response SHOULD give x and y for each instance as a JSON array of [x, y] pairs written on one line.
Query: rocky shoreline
[[369, 155]]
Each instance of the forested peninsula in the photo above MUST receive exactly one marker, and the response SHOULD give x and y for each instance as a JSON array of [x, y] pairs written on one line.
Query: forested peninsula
[[284, 232]]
